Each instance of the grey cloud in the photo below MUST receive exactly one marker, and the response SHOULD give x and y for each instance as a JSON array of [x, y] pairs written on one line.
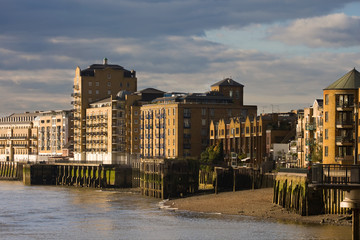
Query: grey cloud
[[334, 30], [145, 19]]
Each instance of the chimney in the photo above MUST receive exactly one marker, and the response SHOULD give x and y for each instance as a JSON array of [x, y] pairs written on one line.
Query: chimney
[[105, 61]]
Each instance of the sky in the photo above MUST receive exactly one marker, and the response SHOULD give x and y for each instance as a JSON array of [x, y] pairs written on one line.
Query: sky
[[285, 52]]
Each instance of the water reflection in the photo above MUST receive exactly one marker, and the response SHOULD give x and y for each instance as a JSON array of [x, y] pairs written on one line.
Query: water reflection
[[48, 212]]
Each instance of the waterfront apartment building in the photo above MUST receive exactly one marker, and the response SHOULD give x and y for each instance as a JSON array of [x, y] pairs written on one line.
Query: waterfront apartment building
[[252, 138], [113, 127], [97, 82], [309, 134], [54, 132], [177, 125], [341, 108], [19, 137]]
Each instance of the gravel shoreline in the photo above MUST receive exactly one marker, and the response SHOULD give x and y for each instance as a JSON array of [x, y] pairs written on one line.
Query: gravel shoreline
[[256, 203]]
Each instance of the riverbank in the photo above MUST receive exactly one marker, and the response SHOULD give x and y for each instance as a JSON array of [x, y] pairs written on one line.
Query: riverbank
[[256, 203]]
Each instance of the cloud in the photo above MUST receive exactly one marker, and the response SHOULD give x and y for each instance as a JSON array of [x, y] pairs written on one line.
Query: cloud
[[131, 18], [334, 30], [42, 42], [173, 63]]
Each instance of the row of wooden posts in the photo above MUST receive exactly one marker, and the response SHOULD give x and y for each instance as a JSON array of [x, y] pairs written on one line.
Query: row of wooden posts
[[10, 171]]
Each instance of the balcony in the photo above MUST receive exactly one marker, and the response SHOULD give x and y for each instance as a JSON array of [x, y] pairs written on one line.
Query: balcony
[[75, 94], [344, 106], [187, 115], [299, 134], [187, 135], [309, 141], [187, 146], [344, 158], [19, 137], [344, 124], [310, 126], [344, 141]]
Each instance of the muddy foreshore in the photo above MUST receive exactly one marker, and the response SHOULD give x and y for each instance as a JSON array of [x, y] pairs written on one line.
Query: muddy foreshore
[[256, 203]]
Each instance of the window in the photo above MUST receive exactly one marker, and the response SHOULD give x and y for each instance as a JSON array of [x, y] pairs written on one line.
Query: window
[[109, 92], [174, 111], [229, 112], [120, 84], [58, 120], [326, 116], [212, 132], [247, 130], [174, 131], [136, 121], [237, 130], [203, 132], [212, 112], [109, 76], [187, 123], [90, 84], [97, 84], [231, 93], [47, 121], [109, 84], [326, 99], [135, 130], [127, 84], [326, 134], [203, 111], [90, 91], [97, 92], [135, 113], [203, 122], [326, 151]]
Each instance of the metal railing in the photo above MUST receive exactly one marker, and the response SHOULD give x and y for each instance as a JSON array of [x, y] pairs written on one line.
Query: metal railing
[[335, 174]]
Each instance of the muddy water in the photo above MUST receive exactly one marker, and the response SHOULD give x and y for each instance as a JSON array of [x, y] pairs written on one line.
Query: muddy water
[[49, 212]]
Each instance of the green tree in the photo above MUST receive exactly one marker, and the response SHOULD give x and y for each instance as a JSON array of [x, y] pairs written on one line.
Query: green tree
[[316, 153]]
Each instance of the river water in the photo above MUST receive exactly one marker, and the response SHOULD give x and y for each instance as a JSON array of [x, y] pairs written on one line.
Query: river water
[[53, 212]]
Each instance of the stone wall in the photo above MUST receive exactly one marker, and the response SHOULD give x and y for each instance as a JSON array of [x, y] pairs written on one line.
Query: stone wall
[[291, 191]]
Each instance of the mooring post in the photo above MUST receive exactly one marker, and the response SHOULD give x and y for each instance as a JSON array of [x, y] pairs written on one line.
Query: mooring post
[[355, 223], [216, 182]]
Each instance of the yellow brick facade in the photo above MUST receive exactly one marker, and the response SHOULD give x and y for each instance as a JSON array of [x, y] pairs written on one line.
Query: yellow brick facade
[[97, 82]]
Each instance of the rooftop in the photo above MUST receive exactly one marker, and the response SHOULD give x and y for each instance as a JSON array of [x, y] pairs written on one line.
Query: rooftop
[[227, 82], [350, 80]]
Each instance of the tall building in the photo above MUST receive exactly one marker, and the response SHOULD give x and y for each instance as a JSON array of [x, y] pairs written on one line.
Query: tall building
[[341, 107], [97, 82], [19, 137], [177, 125]]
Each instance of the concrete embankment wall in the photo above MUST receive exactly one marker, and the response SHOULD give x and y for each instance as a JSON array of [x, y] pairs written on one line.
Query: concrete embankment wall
[[11, 171], [291, 191], [84, 175]]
